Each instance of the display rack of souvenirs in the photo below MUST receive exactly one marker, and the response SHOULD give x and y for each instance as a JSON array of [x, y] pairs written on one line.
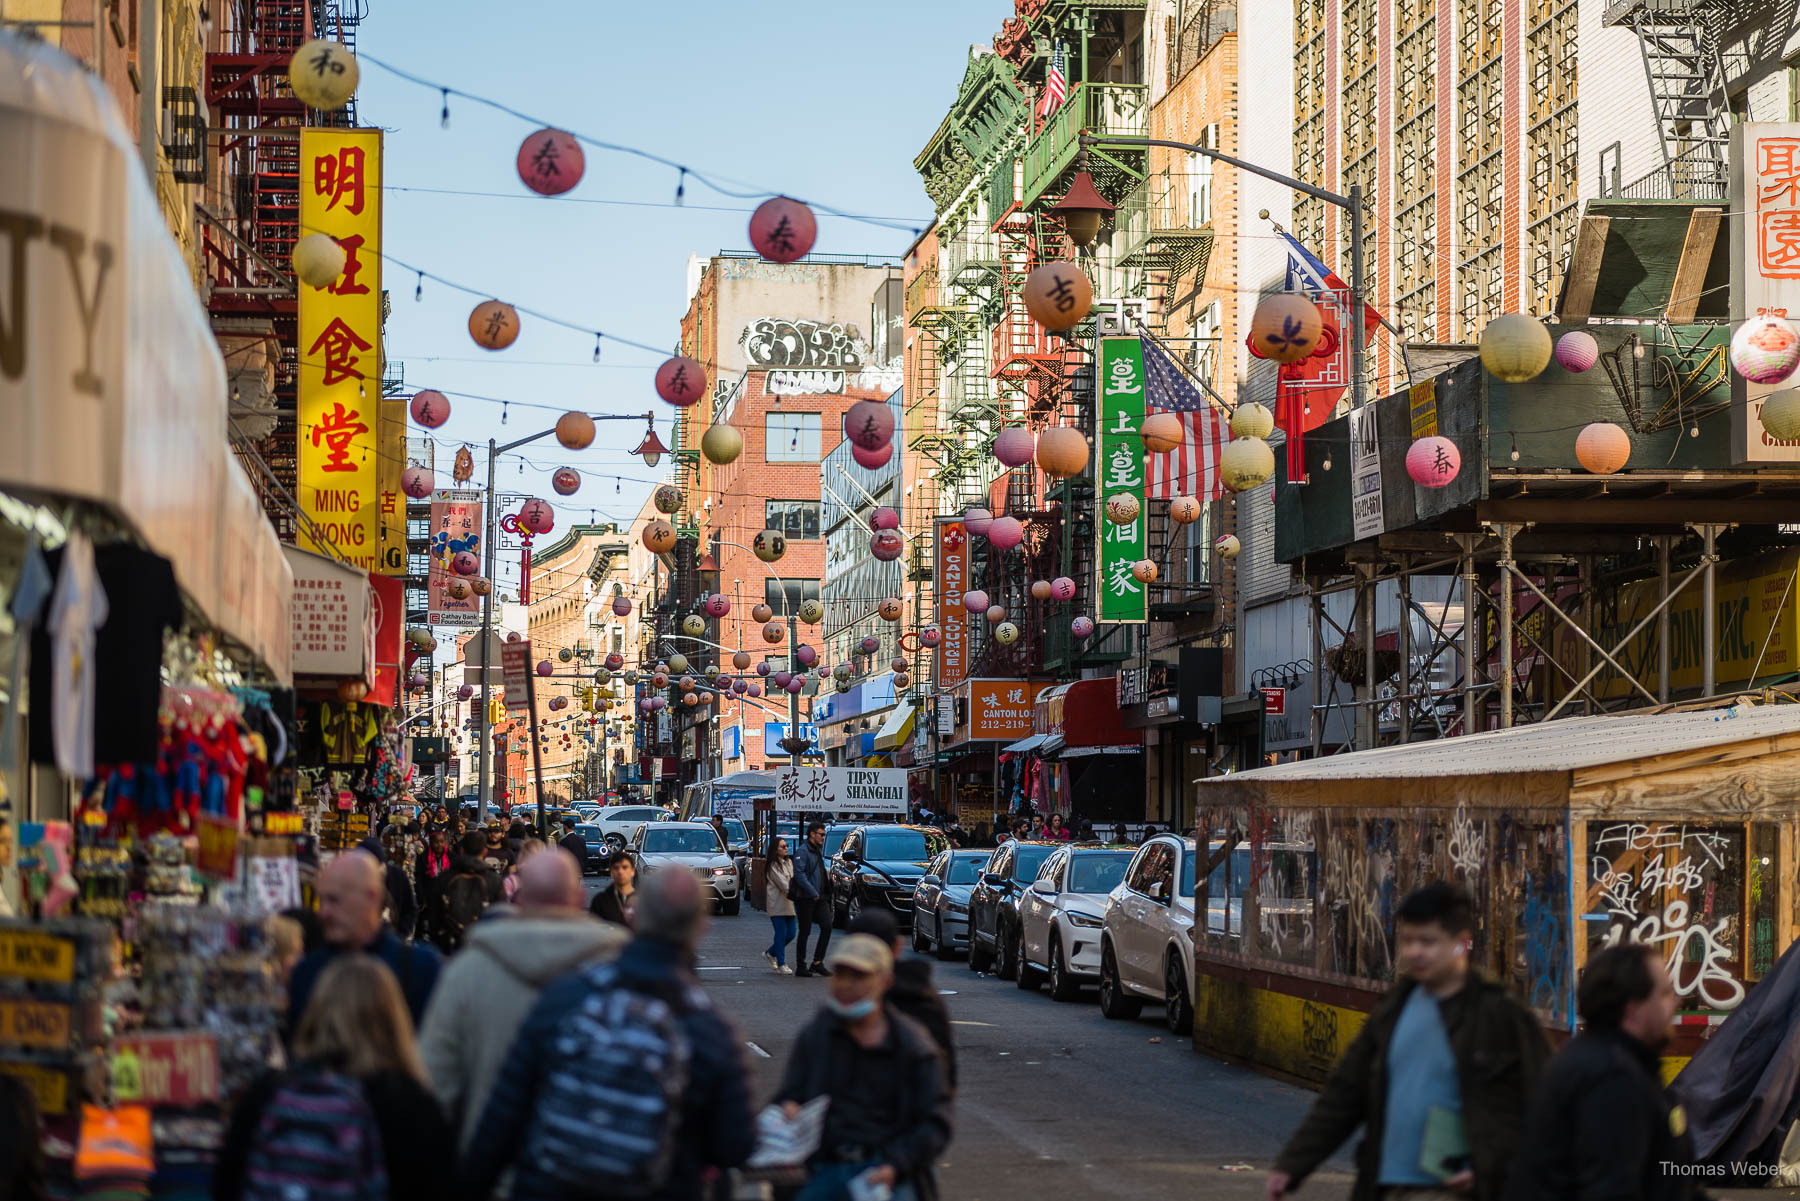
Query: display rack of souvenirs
[[53, 976], [210, 971]]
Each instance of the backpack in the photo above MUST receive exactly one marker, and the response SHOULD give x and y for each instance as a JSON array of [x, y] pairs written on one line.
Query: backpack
[[465, 898], [607, 1114], [317, 1141]]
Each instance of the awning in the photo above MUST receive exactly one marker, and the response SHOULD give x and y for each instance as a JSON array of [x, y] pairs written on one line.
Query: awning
[[1025, 746], [897, 728], [1076, 752], [1086, 714]]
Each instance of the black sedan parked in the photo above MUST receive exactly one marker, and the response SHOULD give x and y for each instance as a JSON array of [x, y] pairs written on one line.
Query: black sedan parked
[[994, 905], [881, 865]]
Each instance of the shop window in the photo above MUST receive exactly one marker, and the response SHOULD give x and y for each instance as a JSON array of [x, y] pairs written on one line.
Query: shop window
[[791, 437], [798, 519], [786, 596]]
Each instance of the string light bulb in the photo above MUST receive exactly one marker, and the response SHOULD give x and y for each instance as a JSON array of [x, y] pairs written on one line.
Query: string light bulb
[[1694, 430], [596, 346], [1326, 465], [444, 116], [419, 289], [1515, 448]]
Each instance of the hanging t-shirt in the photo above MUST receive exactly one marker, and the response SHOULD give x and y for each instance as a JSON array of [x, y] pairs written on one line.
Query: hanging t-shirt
[[77, 611], [32, 589], [130, 651]]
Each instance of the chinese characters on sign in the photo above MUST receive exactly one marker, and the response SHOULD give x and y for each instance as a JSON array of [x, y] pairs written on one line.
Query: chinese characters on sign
[[331, 618], [340, 337], [1765, 265], [455, 527], [953, 619], [1121, 468], [1366, 513], [1002, 708], [838, 790]]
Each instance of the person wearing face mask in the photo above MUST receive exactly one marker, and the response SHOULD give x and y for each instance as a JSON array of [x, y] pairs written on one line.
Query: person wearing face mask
[[889, 1117]]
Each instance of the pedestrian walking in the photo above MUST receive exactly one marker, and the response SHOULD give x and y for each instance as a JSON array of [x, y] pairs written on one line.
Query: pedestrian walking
[[351, 889], [352, 1116], [913, 993], [465, 894], [571, 840], [487, 991], [624, 1080], [402, 905], [889, 1117], [813, 905], [527, 849], [1446, 1063], [1601, 1125], [778, 883], [614, 904], [430, 870]]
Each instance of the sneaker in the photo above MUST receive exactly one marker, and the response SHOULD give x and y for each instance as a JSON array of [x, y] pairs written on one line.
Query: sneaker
[[800, 971], [785, 970], [818, 969], [772, 964]]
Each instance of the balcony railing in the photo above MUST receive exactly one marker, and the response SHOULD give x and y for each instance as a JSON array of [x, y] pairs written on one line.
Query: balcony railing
[[1102, 109], [1003, 187]]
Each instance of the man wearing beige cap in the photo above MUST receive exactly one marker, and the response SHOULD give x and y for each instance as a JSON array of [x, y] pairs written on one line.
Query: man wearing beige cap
[[893, 1124]]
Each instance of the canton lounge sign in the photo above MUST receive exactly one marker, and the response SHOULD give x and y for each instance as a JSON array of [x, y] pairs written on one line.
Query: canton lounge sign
[[1120, 468]]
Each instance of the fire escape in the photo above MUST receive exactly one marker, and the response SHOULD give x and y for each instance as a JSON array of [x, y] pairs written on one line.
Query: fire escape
[[1688, 95]]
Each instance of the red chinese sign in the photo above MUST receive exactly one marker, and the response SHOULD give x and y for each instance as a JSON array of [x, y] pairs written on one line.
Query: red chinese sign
[[953, 619]]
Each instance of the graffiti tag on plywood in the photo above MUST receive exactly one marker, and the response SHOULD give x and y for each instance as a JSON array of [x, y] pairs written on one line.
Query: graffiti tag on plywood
[[802, 342]]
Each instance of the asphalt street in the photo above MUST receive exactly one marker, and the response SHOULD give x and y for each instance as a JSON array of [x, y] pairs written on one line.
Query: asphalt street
[[1055, 1100]]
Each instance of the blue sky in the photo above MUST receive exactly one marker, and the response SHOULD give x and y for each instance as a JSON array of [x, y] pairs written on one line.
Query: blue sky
[[824, 101]]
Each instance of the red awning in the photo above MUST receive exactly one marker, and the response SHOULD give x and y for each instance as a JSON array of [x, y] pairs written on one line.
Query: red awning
[[1085, 713]]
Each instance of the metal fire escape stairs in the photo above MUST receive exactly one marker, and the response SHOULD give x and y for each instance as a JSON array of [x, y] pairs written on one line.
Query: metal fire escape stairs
[[1688, 96]]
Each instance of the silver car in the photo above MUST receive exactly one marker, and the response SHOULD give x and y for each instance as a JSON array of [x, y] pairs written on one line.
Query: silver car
[[690, 846], [941, 902]]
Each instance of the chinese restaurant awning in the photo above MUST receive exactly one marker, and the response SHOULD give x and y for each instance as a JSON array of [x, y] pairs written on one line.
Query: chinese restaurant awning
[[1087, 716], [897, 728], [1025, 746]]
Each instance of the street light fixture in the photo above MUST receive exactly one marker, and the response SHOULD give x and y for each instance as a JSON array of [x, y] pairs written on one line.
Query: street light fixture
[[651, 448], [1083, 210]]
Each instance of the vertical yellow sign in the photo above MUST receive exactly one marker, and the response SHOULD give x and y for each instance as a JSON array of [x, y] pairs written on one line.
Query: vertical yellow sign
[[392, 440], [340, 346]]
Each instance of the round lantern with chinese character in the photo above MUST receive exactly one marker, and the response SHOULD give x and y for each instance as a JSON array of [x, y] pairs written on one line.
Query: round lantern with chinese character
[[566, 481], [1286, 328], [1122, 508], [886, 545], [537, 516], [884, 518], [760, 612], [902, 681], [681, 381], [1602, 447], [1184, 510], [1006, 633], [690, 700], [1228, 546], [740, 687], [621, 606], [996, 614], [769, 545], [1246, 463], [1144, 571], [721, 444], [481, 585], [417, 482], [1015, 445], [1433, 461], [318, 260], [869, 644], [930, 636], [1251, 420], [1062, 588], [1058, 295], [975, 601], [1577, 351], [494, 324], [659, 679], [783, 229], [1161, 432], [773, 632], [1040, 590], [717, 605], [430, 408], [575, 430], [1062, 452], [659, 536], [1082, 627], [897, 663], [323, 74], [685, 683], [551, 162], [976, 521], [1765, 349], [693, 625], [811, 611], [1515, 347], [871, 459], [1006, 533], [890, 608], [465, 563]]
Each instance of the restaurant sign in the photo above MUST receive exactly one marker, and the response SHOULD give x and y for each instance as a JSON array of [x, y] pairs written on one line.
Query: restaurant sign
[[1120, 465], [1765, 265]]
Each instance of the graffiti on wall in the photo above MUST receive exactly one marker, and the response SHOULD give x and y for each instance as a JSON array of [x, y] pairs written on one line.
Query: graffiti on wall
[[802, 342], [806, 383]]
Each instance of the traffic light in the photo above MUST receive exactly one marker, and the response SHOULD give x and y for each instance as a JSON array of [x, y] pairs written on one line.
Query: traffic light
[[496, 711]]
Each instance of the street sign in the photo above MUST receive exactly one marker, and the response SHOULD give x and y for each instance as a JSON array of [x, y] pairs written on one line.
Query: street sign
[[1274, 702], [515, 662], [841, 790]]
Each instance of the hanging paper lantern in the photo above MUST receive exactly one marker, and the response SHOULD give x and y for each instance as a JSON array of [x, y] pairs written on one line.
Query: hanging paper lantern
[[603, 677], [1515, 347], [811, 611], [575, 430], [762, 669], [1602, 447], [644, 704], [1161, 432], [783, 229], [465, 692], [721, 444], [884, 518], [318, 260], [717, 605], [419, 681], [1006, 533], [1062, 588], [1765, 349], [740, 687], [1251, 420], [1184, 510], [621, 606], [870, 644], [537, 516], [1246, 463], [693, 625], [1122, 508], [493, 324], [659, 537], [551, 162], [1286, 327], [760, 612], [975, 601], [431, 409], [871, 459], [976, 521], [1780, 415], [681, 381], [545, 667], [1144, 571], [1040, 590], [667, 498], [566, 481], [685, 683], [806, 654], [795, 685], [774, 632], [565, 654], [1433, 461], [897, 663], [464, 469], [902, 681], [755, 690], [678, 663], [741, 660], [417, 482], [1006, 633], [869, 424], [1082, 627], [930, 636], [323, 74], [418, 636], [843, 685], [769, 545], [1058, 295], [352, 690], [659, 679], [632, 676], [690, 700], [995, 615], [886, 545], [1227, 546], [614, 662], [482, 585], [1577, 351], [1062, 452], [890, 608], [465, 563], [1015, 445]]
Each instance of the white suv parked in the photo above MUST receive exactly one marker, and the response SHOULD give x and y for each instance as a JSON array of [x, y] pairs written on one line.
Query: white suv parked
[[1147, 945], [618, 823], [1061, 915]]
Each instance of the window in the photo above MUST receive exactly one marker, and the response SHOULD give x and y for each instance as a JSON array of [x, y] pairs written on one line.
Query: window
[[1028, 860], [791, 438], [1098, 873], [786, 596], [895, 846], [965, 869], [798, 519], [681, 841], [1200, 180]]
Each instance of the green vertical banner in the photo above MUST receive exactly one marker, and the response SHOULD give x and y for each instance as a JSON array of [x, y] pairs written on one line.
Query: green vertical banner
[[1120, 468]]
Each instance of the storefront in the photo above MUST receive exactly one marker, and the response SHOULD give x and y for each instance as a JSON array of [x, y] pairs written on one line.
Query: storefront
[[1081, 760], [977, 779], [850, 721], [1677, 829], [1175, 701]]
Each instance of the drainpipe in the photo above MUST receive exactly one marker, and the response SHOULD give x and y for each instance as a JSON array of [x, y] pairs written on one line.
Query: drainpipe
[[150, 87]]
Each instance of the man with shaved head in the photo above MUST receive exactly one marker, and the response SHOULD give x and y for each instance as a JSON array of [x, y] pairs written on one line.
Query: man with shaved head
[[489, 987], [352, 890]]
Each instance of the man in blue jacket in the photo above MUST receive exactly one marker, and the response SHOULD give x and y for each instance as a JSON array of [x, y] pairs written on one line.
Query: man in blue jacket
[[813, 905], [352, 891], [529, 1125]]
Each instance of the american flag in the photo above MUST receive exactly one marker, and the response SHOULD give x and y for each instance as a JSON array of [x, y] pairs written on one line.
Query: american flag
[[1191, 469], [1056, 83]]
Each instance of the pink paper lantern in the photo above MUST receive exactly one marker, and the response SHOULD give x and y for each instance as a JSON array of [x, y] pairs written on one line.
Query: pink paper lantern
[[995, 615], [718, 605], [884, 518], [537, 516], [977, 521], [644, 705], [1082, 627], [545, 667], [806, 654], [780, 679], [886, 545], [755, 690], [975, 601], [782, 229], [430, 408], [1577, 351], [871, 459], [869, 424], [1765, 349], [417, 482], [1062, 588], [566, 481], [740, 687], [1006, 533], [681, 381], [1433, 461], [419, 681], [551, 162], [465, 692], [762, 669], [465, 563], [870, 644], [930, 636], [621, 606], [795, 685], [1015, 445]]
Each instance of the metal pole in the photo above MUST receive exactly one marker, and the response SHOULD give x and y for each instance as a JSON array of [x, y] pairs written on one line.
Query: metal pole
[[1663, 546], [483, 788], [1506, 627], [537, 754], [1406, 656], [1708, 615], [1318, 656], [1367, 729], [1358, 334], [1470, 695]]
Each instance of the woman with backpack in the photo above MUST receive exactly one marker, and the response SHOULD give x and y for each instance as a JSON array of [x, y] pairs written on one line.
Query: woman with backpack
[[352, 1118]]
